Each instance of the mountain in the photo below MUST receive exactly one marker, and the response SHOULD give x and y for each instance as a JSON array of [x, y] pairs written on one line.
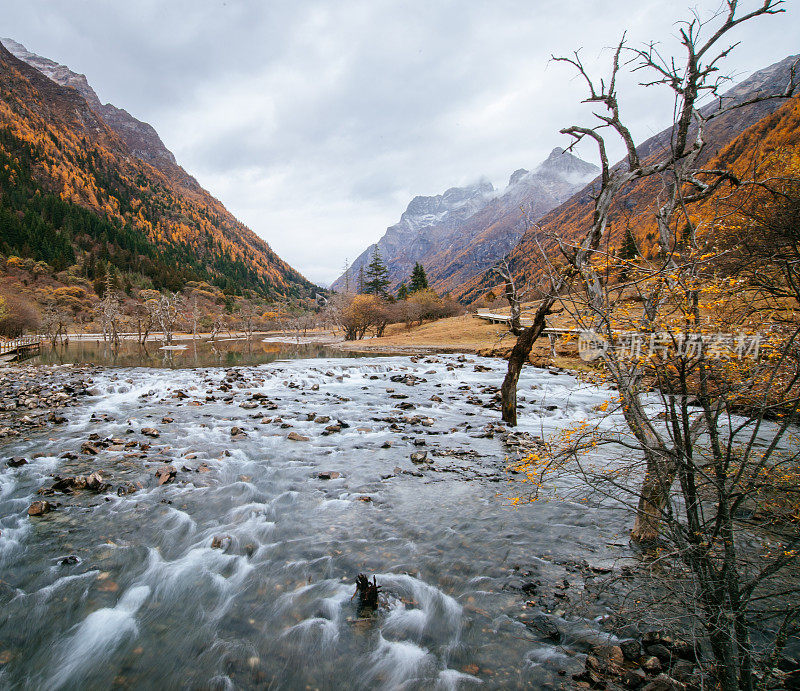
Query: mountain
[[141, 138], [424, 226], [84, 185], [740, 130], [493, 232], [460, 233]]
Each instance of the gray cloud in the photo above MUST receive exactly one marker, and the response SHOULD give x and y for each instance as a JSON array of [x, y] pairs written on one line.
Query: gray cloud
[[316, 122]]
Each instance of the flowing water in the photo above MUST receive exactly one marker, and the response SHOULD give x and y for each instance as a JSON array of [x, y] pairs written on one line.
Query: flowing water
[[127, 591]]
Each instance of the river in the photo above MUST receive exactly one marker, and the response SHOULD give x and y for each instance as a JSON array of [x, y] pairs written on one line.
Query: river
[[111, 591]]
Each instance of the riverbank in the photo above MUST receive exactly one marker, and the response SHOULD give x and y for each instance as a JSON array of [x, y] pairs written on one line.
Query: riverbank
[[33, 397]]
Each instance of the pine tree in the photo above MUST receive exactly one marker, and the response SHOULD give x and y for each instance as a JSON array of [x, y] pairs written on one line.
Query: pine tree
[[360, 285], [402, 292], [377, 276], [346, 276], [627, 252], [628, 249], [419, 281]]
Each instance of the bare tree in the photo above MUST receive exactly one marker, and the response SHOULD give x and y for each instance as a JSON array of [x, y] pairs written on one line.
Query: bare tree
[[193, 314], [693, 408], [166, 311], [110, 313], [54, 322]]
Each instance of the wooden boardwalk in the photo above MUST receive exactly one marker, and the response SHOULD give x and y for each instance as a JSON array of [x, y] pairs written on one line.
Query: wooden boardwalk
[[494, 318], [20, 348]]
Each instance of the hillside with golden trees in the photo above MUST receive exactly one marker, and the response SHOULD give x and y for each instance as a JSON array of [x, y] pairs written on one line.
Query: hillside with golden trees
[[73, 195]]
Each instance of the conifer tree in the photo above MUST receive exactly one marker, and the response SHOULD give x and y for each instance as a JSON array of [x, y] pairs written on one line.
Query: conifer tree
[[627, 252], [419, 281], [377, 276], [402, 292]]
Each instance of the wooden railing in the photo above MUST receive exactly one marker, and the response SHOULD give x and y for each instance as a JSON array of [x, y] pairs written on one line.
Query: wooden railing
[[25, 345]]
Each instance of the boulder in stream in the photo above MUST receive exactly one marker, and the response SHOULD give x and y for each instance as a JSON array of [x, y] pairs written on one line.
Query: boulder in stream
[[39, 508], [165, 474]]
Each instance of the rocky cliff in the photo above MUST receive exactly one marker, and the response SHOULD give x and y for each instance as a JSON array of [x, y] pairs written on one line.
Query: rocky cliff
[[460, 233]]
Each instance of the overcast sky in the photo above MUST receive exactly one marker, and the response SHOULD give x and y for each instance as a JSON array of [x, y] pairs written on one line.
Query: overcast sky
[[317, 122]]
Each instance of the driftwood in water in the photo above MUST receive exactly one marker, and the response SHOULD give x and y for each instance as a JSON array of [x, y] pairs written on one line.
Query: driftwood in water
[[367, 594]]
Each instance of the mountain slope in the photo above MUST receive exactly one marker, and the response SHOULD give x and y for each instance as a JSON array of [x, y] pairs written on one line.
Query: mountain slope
[[141, 138], [493, 232], [634, 207], [465, 230], [71, 191]]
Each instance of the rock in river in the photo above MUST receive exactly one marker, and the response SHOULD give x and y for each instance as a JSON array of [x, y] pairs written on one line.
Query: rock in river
[[165, 474], [419, 457], [39, 508]]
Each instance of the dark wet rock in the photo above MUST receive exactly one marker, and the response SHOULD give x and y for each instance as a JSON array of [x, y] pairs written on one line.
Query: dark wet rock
[[544, 626], [150, 432], [16, 462], [294, 436], [663, 683], [94, 482], [436, 399], [328, 475], [248, 405], [660, 651], [651, 664], [386, 445], [419, 457], [631, 650], [165, 474], [405, 405], [683, 649], [238, 432], [89, 449], [166, 420], [128, 488], [407, 379], [39, 508], [222, 542], [322, 419], [634, 678], [332, 429], [203, 468], [683, 671], [69, 560]]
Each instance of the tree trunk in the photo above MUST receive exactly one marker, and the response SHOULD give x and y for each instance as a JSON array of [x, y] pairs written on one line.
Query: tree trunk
[[658, 479], [519, 354]]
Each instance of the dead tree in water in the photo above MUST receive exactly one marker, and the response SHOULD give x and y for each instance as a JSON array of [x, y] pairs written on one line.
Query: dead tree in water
[[368, 594], [526, 337]]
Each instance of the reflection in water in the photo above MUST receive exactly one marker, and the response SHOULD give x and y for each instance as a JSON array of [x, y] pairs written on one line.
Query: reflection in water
[[198, 353]]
